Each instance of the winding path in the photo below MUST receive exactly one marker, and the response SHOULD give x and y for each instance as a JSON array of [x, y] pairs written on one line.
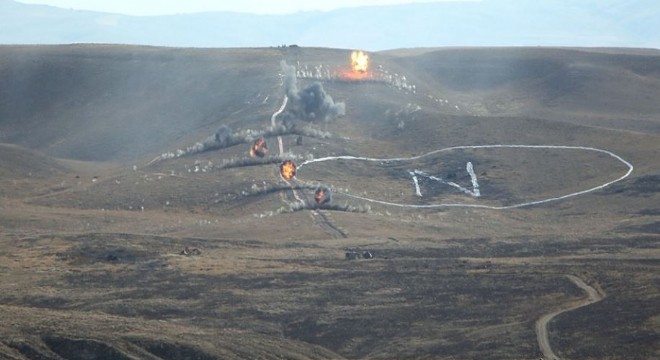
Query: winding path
[[542, 324]]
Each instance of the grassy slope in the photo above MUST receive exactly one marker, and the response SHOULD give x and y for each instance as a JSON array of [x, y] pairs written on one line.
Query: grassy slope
[[82, 259]]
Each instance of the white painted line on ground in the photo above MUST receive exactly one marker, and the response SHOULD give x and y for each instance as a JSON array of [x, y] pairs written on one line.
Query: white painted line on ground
[[473, 177], [476, 147], [418, 191], [450, 183], [273, 119]]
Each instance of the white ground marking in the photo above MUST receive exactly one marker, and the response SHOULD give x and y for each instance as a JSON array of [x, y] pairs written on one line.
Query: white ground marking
[[272, 122], [416, 182], [475, 185], [473, 177], [473, 147]]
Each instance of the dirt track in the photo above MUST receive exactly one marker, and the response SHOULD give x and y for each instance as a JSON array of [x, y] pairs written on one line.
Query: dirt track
[[92, 259], [542, 324]]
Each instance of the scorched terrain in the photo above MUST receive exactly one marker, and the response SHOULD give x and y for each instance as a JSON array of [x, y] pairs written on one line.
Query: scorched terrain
[[134, 223]]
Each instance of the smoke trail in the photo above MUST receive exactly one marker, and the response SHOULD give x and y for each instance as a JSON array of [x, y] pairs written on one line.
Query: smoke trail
[[225, 137], [294, 207], [290, 80], [311, 103], [246, 161], [268, 189], [222, 138]]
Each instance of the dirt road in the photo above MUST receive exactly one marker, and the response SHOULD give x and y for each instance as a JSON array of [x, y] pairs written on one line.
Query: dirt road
[[542, 323]]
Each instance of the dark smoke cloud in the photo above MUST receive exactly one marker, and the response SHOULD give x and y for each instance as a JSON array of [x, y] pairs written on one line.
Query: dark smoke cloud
[[294, 207], [222, 138], [247, 161], [269, 189], [327, 195], [223, 135], [311, 103]]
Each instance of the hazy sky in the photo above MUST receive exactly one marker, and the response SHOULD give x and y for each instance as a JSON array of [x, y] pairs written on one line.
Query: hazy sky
[[168, 7]]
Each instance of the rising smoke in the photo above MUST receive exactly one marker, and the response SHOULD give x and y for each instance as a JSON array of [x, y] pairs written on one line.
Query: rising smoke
[[272, 188], [311, 103], [224, 137], [322, 195], [345, 207], [256, 161]]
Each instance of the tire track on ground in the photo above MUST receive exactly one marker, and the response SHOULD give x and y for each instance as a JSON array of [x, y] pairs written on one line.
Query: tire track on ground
[[324, 221]]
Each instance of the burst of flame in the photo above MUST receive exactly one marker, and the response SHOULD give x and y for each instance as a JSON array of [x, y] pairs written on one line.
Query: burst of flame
[[322, 196], [288, 170], [259, 148], [360, 61]]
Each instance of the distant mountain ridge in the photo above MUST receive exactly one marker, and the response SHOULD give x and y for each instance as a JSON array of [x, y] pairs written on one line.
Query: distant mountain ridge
[[607, 23]]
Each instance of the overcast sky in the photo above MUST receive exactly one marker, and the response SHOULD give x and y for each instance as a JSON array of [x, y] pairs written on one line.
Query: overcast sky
[[169, 7]]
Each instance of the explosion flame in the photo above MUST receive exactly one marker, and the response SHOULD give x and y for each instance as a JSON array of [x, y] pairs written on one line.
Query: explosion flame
[[288, 170], [259, 148], [322, 195], [359, 69], [360, 61]]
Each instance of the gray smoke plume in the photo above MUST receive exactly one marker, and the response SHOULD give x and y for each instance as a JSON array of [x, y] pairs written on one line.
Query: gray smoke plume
[[272, 188], [247, 161], [311, 103], [294, 207], [223, 135], [222, 138], [322, 195]]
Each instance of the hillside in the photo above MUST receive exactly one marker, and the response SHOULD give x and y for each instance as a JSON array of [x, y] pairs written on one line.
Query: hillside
[[491, 203], [114, 103]]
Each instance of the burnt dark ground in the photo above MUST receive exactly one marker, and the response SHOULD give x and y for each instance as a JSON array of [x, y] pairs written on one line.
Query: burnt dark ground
[[461, 293], [92, 260]]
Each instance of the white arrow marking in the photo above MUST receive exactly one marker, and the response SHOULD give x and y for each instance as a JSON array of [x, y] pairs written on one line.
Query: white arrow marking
[[475, 185], [629, 171]]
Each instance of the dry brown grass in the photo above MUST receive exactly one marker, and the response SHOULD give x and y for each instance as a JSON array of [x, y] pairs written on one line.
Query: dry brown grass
[[94, 266]]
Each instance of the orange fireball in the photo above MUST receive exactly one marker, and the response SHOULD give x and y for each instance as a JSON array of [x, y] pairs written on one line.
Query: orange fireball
[[259, 148], [322, 195], [360, 61], [288, 170]]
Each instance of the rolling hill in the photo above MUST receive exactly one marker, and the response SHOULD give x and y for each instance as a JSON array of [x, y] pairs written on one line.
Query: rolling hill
[[134, 224]]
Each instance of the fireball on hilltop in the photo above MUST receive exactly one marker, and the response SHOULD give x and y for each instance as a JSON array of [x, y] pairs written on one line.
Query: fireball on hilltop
[[322, 195], [259, 148], [360, 61], [359, 69], [288, 170]]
